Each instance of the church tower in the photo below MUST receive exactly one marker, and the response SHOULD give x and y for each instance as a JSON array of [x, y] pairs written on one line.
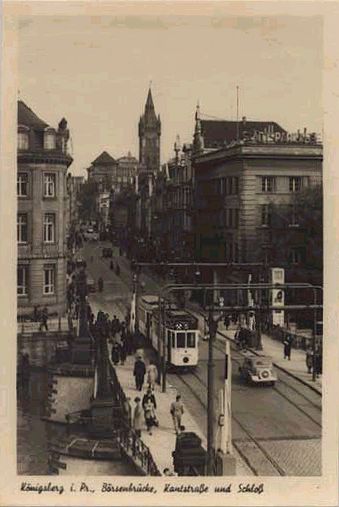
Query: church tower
[[149, 137]]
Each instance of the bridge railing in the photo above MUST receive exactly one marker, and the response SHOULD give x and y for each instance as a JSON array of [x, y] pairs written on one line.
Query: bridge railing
[[140, 454]]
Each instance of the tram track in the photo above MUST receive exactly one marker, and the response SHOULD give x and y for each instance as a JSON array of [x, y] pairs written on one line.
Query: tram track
[[279, 391], [273, 463]]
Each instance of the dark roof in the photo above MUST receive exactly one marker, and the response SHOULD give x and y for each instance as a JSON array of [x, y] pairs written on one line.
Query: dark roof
[[149, 101], [218, 133], [28, 118], [104, 159]]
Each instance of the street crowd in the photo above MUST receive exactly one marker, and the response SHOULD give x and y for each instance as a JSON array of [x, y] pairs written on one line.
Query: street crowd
[[123, 344]]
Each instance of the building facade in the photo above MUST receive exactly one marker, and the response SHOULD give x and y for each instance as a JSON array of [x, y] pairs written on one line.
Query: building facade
[[102, 171], [242, 192], [74, 184], [42, 163]]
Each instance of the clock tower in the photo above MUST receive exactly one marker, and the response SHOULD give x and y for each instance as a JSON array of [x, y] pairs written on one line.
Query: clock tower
[[149, 137]]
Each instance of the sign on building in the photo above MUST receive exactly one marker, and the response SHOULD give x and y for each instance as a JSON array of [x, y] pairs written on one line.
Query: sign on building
[[278, 296]]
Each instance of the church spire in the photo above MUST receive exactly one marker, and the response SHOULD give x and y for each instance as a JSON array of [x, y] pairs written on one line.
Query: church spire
[[149, 102], [198, 139]]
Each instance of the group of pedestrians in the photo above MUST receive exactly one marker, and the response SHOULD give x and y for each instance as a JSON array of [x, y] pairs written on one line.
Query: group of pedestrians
[[147, 409], [145, 413]]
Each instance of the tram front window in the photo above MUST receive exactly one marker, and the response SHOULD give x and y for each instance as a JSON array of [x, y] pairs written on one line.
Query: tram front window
[[191, 340], [180, 340]]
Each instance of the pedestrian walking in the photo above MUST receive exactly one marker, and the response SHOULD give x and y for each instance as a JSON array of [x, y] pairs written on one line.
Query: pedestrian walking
[[138, 419], [115, 354], [309, 359], [123, 351], [44, 319], [139, 372], [318, 362], [287, 347], [152, 375], [149, 396], [117, 270], [100, 284], [129, 343], [177, 410], [36, 314], [150, 416], [128, 411], [111, 266], [227, 321]]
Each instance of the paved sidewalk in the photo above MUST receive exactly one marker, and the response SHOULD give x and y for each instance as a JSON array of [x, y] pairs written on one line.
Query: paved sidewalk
[[162, 441]]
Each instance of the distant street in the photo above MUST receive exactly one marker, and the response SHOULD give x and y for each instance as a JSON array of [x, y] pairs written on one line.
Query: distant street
[[276, 430]]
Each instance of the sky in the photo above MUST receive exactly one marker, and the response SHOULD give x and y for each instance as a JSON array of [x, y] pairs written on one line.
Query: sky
[[95, 71]]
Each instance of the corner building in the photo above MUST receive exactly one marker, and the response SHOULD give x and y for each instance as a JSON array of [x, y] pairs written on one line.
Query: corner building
[[42, 163]]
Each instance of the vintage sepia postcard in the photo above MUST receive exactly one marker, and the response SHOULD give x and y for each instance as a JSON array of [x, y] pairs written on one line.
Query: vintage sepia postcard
[[169, 253]]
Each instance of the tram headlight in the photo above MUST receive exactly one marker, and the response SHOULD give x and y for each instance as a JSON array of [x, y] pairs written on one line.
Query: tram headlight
[[186, 360]]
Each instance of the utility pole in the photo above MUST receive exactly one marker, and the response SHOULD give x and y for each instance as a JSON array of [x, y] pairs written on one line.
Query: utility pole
[[237, 113], [314, 376], [212, 328], [163, 335]]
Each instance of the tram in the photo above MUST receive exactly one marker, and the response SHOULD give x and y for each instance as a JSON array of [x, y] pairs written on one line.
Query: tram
[[179, 328]]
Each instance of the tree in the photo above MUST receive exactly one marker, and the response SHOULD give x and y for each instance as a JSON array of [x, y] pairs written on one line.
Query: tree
[[88, 201], [297, 228]]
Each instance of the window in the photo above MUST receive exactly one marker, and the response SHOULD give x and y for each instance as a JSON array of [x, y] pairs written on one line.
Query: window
[[295, 184], [267, 184], [235, 185], [191, 340], [180, 340], [22, 141], [297, 255], [22, 276], [293, 216], [22, 228], [49, 228], [22, 184], [265, 215], [49, 279], [231, 218], [49, 185], [49, 140]]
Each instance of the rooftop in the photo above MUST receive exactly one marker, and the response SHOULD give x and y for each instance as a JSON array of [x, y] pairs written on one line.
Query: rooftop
[[219, 133], [28, 118], [104, 159]]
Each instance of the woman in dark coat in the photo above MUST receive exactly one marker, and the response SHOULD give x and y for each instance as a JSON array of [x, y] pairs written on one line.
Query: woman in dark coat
[[139, 373], [123, 351], [287, 347], [115, 354]]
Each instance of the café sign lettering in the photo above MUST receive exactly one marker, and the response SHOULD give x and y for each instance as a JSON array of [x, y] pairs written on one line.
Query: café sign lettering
[[269, 136]]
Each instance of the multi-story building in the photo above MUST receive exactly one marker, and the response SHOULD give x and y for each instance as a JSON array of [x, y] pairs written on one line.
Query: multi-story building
[[172, 205], [238, 186], [42, 159], [126, 172], [102, 171], [74, 184]]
